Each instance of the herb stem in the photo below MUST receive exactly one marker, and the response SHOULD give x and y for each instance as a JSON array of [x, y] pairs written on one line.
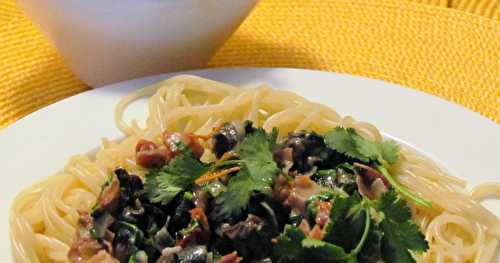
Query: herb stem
[[401, 189], [358, 248], [270, 211]]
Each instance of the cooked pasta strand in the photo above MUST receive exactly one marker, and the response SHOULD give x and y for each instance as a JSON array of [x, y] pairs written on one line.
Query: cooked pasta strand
[[44, 217]]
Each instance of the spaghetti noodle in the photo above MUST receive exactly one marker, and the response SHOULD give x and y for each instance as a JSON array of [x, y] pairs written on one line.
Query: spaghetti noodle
[[44, 216]]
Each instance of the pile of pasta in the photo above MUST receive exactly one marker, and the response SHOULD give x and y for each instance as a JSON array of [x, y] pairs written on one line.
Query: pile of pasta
[[44, 217]]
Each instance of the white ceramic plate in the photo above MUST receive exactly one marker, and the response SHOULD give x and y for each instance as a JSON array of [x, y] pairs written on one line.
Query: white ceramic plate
[[464, 142]]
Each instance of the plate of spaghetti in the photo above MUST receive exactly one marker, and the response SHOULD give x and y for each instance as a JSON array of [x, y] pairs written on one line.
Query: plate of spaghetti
[[251, 165]]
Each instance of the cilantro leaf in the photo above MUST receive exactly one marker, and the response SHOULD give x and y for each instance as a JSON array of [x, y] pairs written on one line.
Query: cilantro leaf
[[289, 244], [256, 152], [294, 247], [342, 140], [237, 195], [371, 250], [366, 148], [347, 222], [398, 239], [393, 207], [389, 151], [400, 233], [320, 251], [164, 184], [348, 142], [350, 224], [257, 172]]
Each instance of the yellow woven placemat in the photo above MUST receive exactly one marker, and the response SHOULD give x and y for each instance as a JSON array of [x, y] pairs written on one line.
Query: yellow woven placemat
[[447, 48]]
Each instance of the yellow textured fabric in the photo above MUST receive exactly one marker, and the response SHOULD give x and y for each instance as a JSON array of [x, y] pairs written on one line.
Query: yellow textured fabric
[[447, 48]]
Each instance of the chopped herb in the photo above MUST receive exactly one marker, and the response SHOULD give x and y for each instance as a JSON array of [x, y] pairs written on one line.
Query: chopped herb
[[400, 233], [320, 251], [402, 189], [325, 177], [256, 152], [312, 205], [164, 184], [351, 229], [257, 172], [347, 221], [327, 173], [342, 140], [190, 228], [237, 194], [188, 196], [240, 218], [293, 247], [346, 167], [289, 245], [389, 151], [348, 142], [371, 251]]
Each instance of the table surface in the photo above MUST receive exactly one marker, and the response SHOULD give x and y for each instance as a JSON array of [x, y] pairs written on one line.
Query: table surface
[[448, 48]]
